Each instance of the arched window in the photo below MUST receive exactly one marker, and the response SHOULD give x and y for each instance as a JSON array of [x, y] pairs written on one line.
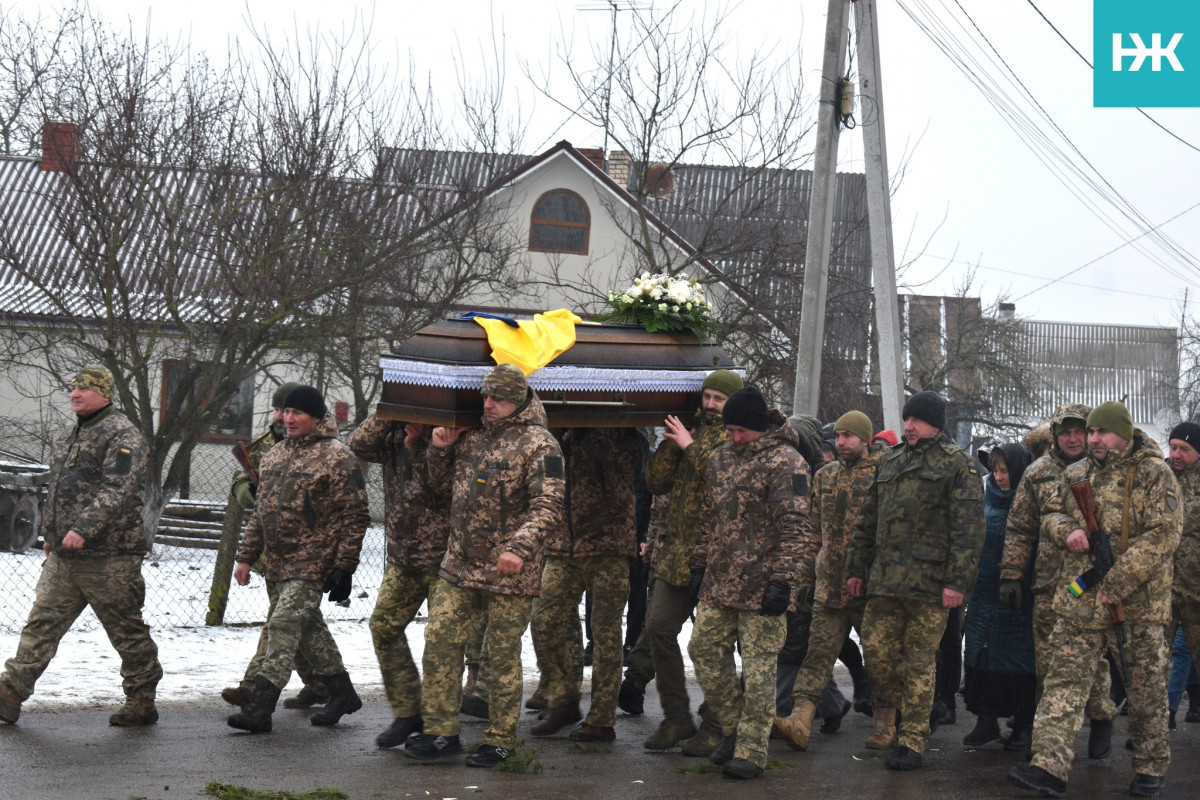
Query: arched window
[[560, 223]]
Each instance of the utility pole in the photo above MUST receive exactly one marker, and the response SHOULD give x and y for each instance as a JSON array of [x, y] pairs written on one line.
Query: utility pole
[[879, 213], [806, 398], [810, 344]]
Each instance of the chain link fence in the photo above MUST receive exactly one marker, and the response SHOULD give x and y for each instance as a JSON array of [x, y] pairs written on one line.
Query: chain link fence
[[182, 564]]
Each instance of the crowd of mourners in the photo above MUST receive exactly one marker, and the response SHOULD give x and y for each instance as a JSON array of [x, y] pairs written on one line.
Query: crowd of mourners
[[1048, 582]]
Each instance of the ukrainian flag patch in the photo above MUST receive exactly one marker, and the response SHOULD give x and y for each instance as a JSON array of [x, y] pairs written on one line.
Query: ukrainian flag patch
[[124, 460]]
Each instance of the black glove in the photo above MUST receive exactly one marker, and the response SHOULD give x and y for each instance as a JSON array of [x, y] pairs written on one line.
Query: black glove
[[776, 598], [1010, 594], [338, 585], [694, 580]]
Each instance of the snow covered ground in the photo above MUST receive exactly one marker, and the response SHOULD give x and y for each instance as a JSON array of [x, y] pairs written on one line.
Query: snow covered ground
[[198, 661]]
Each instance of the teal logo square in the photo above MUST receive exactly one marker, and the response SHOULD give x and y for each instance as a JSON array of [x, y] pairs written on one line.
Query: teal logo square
[[1146, 54]]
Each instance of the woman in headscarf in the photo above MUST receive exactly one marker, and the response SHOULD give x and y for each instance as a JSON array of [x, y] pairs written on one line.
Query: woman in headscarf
[[1000, 674]]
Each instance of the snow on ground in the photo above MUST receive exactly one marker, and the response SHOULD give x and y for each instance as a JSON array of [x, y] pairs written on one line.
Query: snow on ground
[[198, 661]]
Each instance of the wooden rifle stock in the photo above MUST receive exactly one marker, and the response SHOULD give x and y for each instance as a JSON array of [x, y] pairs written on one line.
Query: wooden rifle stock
[[243, 456], [1087, 505]]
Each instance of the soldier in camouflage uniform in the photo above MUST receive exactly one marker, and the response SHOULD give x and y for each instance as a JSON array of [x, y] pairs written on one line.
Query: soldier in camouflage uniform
[[916, 546], [243, 490], [838, 492], [677, 470], [1137, 505], [95, 544], [1022, 539], [309, 520], [748, 567], [507, 493], [417, 525], [1184, 444], [589, 553]]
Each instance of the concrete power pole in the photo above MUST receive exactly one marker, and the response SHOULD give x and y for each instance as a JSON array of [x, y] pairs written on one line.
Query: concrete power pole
[[879, 211], [811, 338], [807, 394]]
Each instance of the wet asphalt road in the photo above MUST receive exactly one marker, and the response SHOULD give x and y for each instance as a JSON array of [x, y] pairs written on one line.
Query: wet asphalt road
[[78, 755]]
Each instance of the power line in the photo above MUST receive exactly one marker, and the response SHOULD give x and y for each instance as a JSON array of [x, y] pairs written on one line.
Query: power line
[[1085, 60]]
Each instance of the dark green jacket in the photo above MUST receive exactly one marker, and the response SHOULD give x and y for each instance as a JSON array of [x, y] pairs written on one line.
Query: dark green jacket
[[920, 528]]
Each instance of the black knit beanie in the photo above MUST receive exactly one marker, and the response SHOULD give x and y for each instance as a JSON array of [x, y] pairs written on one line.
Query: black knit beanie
[[926, 406], [746, 408], [306, 399], [1188, 432]]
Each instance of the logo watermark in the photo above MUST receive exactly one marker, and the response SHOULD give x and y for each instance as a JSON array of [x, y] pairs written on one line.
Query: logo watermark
[[1131, 73]]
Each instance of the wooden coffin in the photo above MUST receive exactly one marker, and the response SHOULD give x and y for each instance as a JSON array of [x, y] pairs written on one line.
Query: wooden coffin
[[614, 376]]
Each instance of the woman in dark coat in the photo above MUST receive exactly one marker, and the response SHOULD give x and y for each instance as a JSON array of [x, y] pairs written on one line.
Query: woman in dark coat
[[1000, 675]]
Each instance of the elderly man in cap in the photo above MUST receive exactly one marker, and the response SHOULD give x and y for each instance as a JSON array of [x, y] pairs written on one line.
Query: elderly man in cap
[[678, 470], [310, 516], [507, 491], [243, 491], [916, 548], [95, 544], [1136, 499]]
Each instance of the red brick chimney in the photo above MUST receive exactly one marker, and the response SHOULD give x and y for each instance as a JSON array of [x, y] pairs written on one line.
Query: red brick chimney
[[61, 148], [593, 154]]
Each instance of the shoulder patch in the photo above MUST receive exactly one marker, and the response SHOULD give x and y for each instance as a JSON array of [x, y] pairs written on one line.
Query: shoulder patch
[[554, 466], [800, 484], [1172, 500], [124, 460], [972, 469]]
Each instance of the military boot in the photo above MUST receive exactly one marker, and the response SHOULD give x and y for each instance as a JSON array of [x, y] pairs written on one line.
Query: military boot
[[537, 701], [313, 694], [705, 741], [255, 716], [862, 692], [237, 695], [10, 705], [797, 726], [342, 700], [670, 733], [885, 735], [134, 713], [557, 718]]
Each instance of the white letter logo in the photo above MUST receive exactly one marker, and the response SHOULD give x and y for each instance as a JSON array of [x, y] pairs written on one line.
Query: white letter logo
[[1139, 52]]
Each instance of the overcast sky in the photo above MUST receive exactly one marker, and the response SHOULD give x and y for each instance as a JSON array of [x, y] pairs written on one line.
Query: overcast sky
[[973, 194]]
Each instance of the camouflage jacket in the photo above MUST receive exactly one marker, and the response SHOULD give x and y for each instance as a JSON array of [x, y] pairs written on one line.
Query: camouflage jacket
[[256, 450], [311, 513], [920, 528], [1023, 529], [599, 516], [1185, 585], [98, 473], [507, 495], [1141, 573], [416, 515], [754, 523], [838, 492], [680, 475]]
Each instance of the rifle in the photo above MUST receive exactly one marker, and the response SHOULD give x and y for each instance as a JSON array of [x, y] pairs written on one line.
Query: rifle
[[243, 456], [1101, 547]]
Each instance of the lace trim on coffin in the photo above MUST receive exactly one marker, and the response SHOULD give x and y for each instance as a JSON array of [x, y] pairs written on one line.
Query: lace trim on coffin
[[548, 378]]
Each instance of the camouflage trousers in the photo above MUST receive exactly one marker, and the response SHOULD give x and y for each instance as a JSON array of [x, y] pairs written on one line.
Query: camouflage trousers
[[113, 587], [294, 625], [401, 594], [747, 710], [1070, 678], [303, 665], [1188, 615], [826, 633], [903, 682], [451, 610], [1099, 703], [556, 626]]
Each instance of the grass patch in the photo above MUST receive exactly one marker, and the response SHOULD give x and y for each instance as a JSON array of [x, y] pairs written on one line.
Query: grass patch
[[773, 763], [521, 762], [229, 791], [699, 769], [588, 748]]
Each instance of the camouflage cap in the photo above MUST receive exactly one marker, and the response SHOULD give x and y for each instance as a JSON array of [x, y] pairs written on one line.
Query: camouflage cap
[[505, 382], [281, 394], [1069, 411], [95, 377]]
